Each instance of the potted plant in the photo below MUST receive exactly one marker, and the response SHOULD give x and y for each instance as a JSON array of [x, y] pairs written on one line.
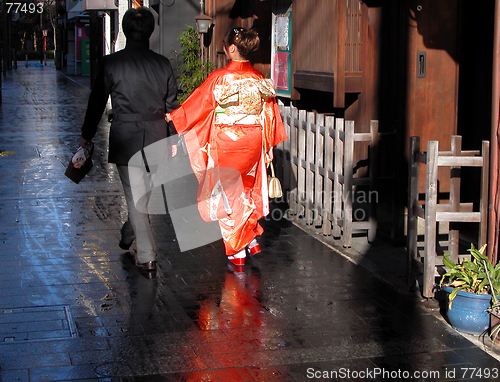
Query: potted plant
[[470, 291]]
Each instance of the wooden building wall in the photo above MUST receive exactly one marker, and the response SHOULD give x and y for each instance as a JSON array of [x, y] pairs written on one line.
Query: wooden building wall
[[433, 73], [240, 13], [432, 95], [318, 49], [314, 47], [390, 83]]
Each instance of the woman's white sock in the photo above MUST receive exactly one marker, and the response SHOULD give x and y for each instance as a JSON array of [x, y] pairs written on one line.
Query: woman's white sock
[[238, 255]]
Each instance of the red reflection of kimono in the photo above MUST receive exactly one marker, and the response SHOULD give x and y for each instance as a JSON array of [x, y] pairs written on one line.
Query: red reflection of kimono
[[229, 124]]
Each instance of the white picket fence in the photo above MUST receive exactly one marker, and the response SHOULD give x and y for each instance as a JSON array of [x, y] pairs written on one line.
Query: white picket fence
[[316, 167]]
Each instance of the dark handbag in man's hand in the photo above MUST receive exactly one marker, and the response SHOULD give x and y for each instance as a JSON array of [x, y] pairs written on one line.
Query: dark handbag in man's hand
[[80, 164]]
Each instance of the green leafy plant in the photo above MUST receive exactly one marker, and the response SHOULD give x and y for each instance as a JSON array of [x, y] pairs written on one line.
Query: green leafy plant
[[192, 71], [477, 275]]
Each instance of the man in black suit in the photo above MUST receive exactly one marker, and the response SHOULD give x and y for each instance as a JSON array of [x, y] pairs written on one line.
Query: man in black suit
[[143, 88]]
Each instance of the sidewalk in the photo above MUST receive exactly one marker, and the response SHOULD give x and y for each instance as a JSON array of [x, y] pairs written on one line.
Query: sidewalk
[[73, 307]]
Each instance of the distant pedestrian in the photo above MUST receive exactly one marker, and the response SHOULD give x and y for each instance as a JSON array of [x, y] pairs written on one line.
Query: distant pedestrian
[[143, 88], [230, 124]]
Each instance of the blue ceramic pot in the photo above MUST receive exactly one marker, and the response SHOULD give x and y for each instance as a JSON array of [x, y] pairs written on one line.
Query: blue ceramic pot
[[468, 312]]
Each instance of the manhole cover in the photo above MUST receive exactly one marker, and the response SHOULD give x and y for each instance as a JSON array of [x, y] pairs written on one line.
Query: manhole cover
[[36, 324]]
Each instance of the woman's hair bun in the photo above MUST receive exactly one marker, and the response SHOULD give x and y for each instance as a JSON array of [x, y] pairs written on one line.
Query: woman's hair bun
[[246, 40]]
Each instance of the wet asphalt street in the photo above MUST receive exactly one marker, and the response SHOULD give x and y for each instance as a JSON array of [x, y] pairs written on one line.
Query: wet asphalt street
[[73, 306]]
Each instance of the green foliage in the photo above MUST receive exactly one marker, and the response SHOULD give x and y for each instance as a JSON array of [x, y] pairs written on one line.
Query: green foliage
[[192, 71], [476, 276]]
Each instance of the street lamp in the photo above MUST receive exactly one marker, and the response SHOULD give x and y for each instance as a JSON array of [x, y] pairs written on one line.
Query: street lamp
[[203, 23]]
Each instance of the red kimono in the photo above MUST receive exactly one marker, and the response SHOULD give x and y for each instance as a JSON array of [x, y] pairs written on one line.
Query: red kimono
[[229, 124]]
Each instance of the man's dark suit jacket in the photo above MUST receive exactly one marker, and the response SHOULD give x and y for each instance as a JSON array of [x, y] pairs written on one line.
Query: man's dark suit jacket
[[142, 88]]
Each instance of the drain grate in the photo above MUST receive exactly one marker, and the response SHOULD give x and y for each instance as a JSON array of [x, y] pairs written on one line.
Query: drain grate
[[36, 324]]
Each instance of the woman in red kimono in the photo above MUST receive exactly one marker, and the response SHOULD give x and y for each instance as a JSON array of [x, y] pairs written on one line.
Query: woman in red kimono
[[230, 124]]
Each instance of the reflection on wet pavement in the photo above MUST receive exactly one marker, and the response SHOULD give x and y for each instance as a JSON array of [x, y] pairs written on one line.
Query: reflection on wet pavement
[[295, 312]]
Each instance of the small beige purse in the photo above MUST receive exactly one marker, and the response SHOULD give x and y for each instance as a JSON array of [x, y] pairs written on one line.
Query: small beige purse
[[273, 184]]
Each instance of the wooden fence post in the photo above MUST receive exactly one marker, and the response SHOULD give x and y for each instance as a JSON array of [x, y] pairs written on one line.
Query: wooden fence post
[[337, 185], [301, 163], [430, 218], [455, 171], [309, 168], [287, 167], [319, 179], [329, 178], [280, 151], [372, 230], [347, 188], [412, 225], [294, 127], [483, 204]]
